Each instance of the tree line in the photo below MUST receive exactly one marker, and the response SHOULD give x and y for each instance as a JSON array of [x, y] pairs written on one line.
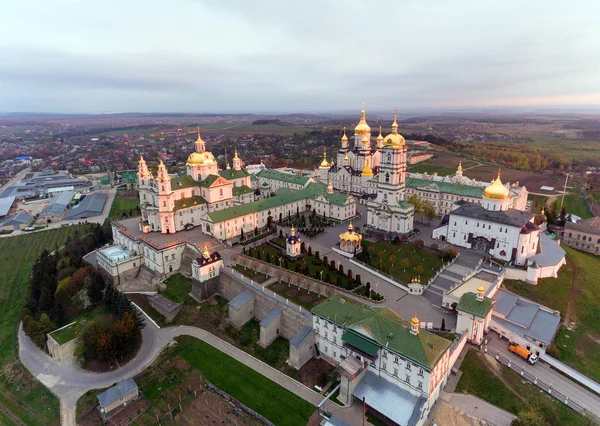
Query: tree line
[[62, 287]]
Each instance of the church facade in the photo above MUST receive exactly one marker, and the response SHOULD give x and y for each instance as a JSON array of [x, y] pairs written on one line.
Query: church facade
[[492, 227], [223, 203]]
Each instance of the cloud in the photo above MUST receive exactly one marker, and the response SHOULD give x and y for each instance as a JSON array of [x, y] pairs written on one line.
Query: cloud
[[267, 55]]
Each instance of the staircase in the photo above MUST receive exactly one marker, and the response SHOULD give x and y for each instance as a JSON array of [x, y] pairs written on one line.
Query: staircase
[[464, 265]]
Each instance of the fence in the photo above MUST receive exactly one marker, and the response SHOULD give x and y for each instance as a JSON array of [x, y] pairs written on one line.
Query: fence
[[547, 388]]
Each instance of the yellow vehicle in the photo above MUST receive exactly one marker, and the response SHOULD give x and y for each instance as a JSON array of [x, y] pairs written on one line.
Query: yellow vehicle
[[523, 353]]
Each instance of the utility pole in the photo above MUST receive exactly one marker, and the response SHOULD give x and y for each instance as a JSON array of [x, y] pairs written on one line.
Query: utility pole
[[562, 199]]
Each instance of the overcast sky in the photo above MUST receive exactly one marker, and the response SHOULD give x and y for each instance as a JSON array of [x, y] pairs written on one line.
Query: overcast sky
[[305, 55]]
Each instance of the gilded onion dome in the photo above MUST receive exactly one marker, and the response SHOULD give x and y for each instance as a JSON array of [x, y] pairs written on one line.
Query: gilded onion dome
[[496, 191], [350, 235], [362, 128], [324, 163], [481, 289], [205, 253], [415, 321], [380, 137], [394, 139], [344, 137], [346, 159]]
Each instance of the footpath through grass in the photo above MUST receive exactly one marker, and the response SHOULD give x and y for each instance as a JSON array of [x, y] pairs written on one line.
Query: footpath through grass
[[254, 390], [21, 395], [507, 390], [577, 342]]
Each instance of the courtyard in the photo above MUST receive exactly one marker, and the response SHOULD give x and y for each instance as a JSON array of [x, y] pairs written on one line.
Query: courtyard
[[402, 261]]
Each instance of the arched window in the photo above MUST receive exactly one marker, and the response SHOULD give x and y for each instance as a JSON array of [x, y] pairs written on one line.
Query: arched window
[[164, 204], [387, 178], [389, 157], [163, 187]]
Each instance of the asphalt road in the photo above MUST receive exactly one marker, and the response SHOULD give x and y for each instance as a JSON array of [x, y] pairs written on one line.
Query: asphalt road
[[69, 382], [546, 374]]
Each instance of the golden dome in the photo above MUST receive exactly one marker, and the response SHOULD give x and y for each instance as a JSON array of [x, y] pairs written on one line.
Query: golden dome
[[415, 321], [201, 159], [344, 137], [496, 191], [205, 253], [459, 170], [362, 127], [235, 156], [395, 123], [324, 163], [394, 140], [346, 159], [350, 235], [481, 289], [380, 137]]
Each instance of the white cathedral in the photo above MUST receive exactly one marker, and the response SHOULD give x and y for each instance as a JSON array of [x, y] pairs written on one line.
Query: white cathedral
[[380, 170]]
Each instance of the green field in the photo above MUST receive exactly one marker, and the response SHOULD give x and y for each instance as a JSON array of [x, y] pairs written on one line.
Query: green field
[[20, 393], [124, 205], [577, 342], [253, 389], [430, 169], [576, 205], [178, 289], [507, 390]]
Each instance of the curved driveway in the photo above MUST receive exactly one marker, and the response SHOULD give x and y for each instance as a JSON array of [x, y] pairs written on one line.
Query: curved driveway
[[69, 382]]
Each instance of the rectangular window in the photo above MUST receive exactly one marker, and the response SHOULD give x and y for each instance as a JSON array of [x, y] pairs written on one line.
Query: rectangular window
[[384, 366], [396, 372], [407, 378], [420, 385]]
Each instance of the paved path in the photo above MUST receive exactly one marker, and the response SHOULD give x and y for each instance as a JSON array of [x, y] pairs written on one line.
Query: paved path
[[69, 382], [546, 374], [478, 408]]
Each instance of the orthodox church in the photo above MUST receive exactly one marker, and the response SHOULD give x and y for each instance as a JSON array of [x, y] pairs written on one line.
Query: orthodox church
[[493, 226], [171, 204]]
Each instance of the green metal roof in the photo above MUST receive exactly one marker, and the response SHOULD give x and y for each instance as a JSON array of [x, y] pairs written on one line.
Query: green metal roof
[[282, 197], [405, 204], [445, 187], [232, 174], [360, 342], [184, 203], [239, 190], [469, 304], [183, 182], [284, 177], [210, 179], [385, 327]]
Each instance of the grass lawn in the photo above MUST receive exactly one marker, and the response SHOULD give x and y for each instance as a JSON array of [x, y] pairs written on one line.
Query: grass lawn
[[511, 393], [388, 257], [315, 299], [20, 394], [125, 202], [577, 342], [575, 205], [271, 400], [430, 169], [178, 289], [250, 273]]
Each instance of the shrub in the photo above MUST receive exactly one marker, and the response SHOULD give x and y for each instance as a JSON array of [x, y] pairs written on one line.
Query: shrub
[[434, 246], [325, 260], [332, 264], [419, 243], [341, 269], [310, 251], [350, 273], [318, 255], [357, 279], [452, 252]]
